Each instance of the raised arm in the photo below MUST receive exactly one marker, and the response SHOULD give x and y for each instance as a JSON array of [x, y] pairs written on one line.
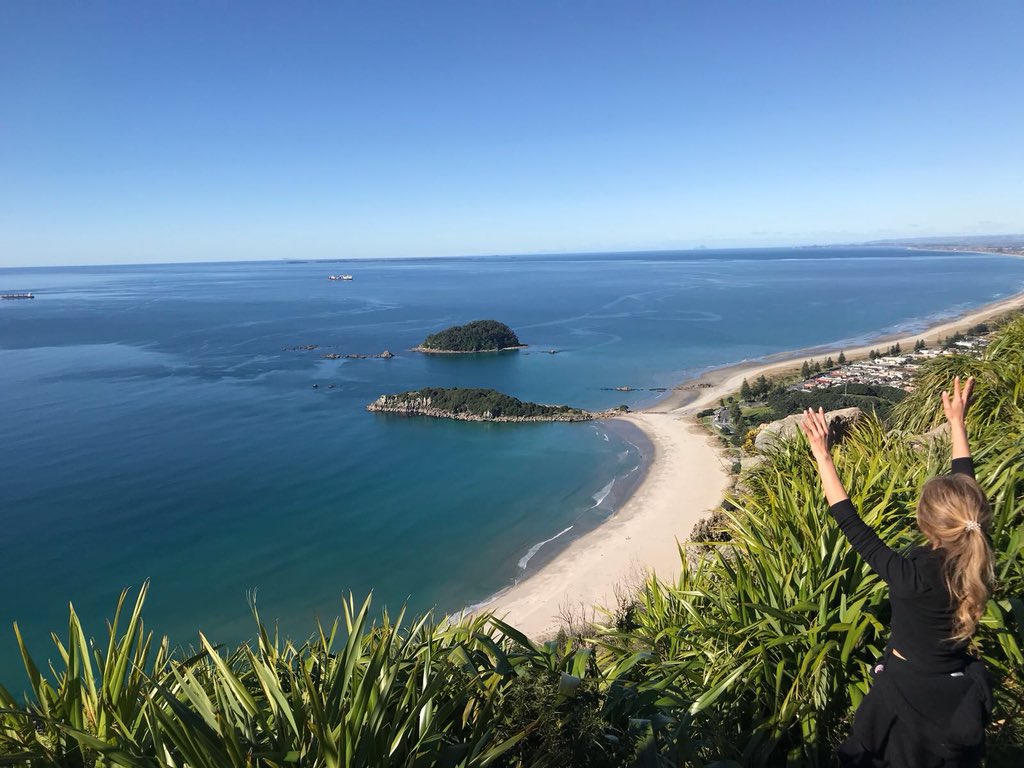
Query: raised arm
[[954, 404], [815, 427], [895, 569]]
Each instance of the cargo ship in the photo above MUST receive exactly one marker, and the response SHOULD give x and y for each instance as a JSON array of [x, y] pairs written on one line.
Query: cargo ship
[[17, 296]]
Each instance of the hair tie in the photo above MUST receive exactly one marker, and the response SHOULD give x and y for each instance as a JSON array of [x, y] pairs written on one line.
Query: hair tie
[[972, 525]]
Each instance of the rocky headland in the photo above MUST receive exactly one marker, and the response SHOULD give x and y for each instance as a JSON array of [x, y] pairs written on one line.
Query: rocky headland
[[480, 405]]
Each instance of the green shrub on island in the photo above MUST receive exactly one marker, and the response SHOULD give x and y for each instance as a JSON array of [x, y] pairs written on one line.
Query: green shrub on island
[[757, 655], [485, 403], [478, 336]]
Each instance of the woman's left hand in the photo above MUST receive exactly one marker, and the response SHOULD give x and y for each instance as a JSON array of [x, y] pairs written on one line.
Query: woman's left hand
[[815, 427]]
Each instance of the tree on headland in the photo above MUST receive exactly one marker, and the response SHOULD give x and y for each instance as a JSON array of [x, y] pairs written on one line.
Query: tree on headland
[[919, 345], [829, 363], [739, 431], [762, 386], [805, 369], [842, 358], [745, 390], [817, 366], [950, 341]]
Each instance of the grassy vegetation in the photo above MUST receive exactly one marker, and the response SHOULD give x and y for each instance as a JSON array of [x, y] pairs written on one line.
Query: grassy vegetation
[[478, 336], [757, 655]]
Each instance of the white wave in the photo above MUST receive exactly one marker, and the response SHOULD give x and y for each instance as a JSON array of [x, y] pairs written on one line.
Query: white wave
[[602, 494], [536, 547]]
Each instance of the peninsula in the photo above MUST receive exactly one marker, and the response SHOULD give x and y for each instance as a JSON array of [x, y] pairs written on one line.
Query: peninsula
[[469, 404], [477, 336]]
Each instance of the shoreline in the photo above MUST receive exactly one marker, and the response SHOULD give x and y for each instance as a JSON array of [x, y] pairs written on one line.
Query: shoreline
[[706, 389], [428, 351], [643, 536]]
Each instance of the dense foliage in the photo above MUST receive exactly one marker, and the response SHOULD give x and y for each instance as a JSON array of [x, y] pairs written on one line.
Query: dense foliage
[[757, 655], [486, 403], [477, 336], [876, 398]]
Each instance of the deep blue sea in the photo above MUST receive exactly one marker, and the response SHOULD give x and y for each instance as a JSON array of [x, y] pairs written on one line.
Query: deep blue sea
[[159, 423]]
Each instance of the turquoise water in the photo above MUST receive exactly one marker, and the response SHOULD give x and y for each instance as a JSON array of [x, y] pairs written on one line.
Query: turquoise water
[[159, 424]]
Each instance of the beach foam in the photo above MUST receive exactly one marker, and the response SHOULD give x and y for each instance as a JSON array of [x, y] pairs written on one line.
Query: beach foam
[[525, 559]]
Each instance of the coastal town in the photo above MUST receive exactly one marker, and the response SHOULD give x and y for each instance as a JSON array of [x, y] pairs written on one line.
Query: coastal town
[[892, 368], [881, 379]]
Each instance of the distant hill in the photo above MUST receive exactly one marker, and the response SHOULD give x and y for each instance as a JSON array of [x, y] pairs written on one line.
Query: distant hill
[[1010, 241]]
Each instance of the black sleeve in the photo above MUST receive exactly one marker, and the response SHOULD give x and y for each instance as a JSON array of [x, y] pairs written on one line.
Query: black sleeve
[[897, 571], [963, 466]]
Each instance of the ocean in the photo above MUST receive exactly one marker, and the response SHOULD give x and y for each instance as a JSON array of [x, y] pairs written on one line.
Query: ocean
[[163, 422]]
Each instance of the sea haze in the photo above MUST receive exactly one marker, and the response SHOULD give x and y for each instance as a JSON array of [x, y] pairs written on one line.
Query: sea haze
[[159, 422]]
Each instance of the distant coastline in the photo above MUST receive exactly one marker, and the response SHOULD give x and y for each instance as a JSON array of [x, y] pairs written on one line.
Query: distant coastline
[[685, 478], [709, 386], [988, 250]]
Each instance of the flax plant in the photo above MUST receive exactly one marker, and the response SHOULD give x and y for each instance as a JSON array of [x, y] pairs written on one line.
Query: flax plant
[[773, 632]]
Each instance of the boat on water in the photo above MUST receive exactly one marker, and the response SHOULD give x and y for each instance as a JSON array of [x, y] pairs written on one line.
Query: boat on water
[[17, 296], [339, 277]]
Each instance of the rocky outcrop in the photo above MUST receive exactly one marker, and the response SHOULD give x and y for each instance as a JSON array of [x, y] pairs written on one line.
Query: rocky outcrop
[[934, 435], [839, 422], [431, 351], [385, 355], [423, 406], [417, 404]]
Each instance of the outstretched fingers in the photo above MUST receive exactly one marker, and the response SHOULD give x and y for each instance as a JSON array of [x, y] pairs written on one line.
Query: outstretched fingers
[[813, 424], [957, 398], [807, 424], [822, 421]]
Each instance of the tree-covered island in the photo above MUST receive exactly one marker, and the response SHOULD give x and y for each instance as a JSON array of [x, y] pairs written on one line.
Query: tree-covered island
[[477, 336], [467, 404]]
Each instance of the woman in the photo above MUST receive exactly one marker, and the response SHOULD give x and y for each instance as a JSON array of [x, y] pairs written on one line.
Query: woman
[[930, 700]]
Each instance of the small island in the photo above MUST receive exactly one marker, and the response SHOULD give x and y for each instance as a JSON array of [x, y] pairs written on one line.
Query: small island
[[467, 404], [477, 336]]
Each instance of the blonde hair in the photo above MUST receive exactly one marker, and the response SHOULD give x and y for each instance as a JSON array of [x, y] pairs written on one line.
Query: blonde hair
[[955, 515]]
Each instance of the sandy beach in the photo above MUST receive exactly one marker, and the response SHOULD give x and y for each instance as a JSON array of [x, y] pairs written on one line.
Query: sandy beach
[[686, 478]]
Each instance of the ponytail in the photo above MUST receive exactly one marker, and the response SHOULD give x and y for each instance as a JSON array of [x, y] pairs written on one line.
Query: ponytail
[[955, 515]]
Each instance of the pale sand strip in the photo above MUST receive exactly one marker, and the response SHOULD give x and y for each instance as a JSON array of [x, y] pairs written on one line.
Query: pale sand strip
[[686, 478]]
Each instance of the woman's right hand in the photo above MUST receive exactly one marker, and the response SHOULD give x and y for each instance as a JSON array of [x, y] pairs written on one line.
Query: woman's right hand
[[955, 404]]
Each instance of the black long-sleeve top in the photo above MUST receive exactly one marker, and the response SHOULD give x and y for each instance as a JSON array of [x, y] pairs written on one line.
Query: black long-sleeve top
[[922, 612]]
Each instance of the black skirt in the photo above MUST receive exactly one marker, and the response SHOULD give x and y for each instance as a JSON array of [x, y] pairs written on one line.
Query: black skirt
[[915, 719]]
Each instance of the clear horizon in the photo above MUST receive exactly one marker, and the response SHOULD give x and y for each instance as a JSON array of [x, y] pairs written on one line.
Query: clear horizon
[[144, 134], [476, 256]]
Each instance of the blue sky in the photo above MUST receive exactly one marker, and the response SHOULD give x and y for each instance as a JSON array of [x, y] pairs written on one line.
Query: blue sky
[[134, 132]]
